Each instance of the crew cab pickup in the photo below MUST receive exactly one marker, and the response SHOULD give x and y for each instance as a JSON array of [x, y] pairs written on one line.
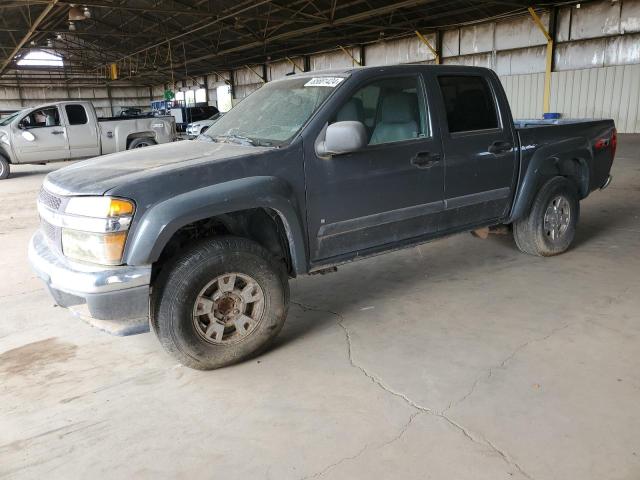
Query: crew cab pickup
[[72, 131], [198, 239]]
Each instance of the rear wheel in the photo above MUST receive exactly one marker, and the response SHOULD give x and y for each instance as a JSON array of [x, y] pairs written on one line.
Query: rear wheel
[[221, 302], [550, 226], [141, 143]]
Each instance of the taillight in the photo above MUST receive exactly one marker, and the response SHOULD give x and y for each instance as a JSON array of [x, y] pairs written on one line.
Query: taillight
[[614, 143]]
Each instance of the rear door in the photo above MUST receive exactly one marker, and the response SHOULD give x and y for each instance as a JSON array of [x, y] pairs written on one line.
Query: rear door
[[82, 132], [42, 137], [480, 152], [387, 193]]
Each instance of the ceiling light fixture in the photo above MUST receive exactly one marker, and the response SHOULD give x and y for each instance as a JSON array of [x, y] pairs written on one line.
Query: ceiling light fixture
[[76, 14]]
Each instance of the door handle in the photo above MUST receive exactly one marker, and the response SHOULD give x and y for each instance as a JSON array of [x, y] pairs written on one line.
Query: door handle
[[426, 160], [500, 147], [57, 132]]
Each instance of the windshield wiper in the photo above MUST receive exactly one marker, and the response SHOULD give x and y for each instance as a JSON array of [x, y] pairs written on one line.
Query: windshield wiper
[[239, 139]]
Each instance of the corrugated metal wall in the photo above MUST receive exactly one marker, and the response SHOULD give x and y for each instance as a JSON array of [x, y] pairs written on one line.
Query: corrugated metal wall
[[597, 61], [609, 92], [525, 93]]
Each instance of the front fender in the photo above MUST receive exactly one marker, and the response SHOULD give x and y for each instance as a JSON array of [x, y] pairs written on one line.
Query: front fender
[[547, 162], [159, 223]]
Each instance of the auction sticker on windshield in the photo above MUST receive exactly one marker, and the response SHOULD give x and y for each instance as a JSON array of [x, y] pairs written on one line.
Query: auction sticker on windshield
[[324, 82]]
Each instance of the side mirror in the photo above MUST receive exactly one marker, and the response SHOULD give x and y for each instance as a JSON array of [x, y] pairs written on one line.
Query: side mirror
[[21, 126], [343, 137]]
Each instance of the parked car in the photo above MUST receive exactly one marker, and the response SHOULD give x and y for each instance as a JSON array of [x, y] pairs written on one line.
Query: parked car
[[187, 115], [309, 172], [70, 131], [198, 128]]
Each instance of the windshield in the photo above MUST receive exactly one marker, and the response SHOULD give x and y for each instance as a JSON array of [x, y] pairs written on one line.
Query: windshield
[[273, 114], [9, 119]]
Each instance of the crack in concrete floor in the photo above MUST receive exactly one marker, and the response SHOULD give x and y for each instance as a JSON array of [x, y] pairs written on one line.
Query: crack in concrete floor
[[481, 440]]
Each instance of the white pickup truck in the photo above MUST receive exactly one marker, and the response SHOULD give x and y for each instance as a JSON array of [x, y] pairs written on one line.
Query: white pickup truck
[[71, 131]]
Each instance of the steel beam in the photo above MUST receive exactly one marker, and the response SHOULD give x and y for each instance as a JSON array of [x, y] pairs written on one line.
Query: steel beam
[[546, 100]]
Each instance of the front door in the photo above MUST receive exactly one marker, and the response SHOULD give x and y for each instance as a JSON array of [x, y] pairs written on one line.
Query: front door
[[82, 135], [388, 193], [480, 154], [41, 137]]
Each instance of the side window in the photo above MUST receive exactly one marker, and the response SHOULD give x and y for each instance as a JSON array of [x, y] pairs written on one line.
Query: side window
[[392, 110], [76, 114], [469, 103], [45, 117]]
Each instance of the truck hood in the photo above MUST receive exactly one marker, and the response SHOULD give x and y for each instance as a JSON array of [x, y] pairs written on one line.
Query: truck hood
[[99, 175]]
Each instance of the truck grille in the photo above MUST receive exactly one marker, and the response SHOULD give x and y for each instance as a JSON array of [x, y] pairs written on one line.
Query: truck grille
[[49, 200]]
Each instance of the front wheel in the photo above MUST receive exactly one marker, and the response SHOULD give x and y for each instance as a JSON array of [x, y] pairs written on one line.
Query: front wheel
[[221, 302], [550, 226], [141, 143], [5, 169]]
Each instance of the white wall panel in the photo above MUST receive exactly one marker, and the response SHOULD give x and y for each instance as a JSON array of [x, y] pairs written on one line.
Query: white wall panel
[[525, 93], [563, 24], [630, 16], [336, 59], [521, 61], [607, 92], [405, 50], [595, 20], [282, 68], [451, 43], [622, 50], [520, 32], [476, 38]]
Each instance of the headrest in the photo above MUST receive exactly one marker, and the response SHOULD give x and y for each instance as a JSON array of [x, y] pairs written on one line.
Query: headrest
[[398, 108]]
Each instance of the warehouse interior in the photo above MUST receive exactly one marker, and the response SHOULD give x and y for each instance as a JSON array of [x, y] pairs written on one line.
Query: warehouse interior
[[459, 358]]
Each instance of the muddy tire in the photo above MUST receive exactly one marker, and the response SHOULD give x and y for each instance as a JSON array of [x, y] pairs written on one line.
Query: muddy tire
[[5, 168], [220, 302], [550, 226], [141, 142]]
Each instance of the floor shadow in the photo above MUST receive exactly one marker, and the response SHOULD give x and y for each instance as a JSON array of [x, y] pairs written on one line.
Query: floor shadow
[[600, 226], [392, 273]]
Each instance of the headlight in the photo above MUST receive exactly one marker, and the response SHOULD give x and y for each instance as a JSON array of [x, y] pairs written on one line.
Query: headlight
[[94, 247], [4, 138], [94, 229]]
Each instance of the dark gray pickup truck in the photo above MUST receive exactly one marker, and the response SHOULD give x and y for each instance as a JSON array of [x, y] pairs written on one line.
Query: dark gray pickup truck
[[199, 238]]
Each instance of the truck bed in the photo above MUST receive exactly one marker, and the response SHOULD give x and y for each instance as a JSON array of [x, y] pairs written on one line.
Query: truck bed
[[555, 137]]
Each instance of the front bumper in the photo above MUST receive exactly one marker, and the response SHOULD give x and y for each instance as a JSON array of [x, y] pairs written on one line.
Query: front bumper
[[114, 299]]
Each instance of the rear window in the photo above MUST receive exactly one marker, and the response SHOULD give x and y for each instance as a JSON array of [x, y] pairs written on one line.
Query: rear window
[[76, 114], [469, 103]]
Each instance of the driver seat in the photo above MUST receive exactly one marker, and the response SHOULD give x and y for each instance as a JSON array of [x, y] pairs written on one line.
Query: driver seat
[[397, 119]]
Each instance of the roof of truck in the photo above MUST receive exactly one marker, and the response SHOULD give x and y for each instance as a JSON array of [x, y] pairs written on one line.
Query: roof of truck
[[344, 72]]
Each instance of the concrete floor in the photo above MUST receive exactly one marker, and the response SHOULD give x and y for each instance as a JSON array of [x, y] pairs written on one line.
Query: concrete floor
[[460, 359]]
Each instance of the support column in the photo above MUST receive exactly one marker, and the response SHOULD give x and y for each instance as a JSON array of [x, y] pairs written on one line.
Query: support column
[[110, 99], [20, 97], [549, 35]]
